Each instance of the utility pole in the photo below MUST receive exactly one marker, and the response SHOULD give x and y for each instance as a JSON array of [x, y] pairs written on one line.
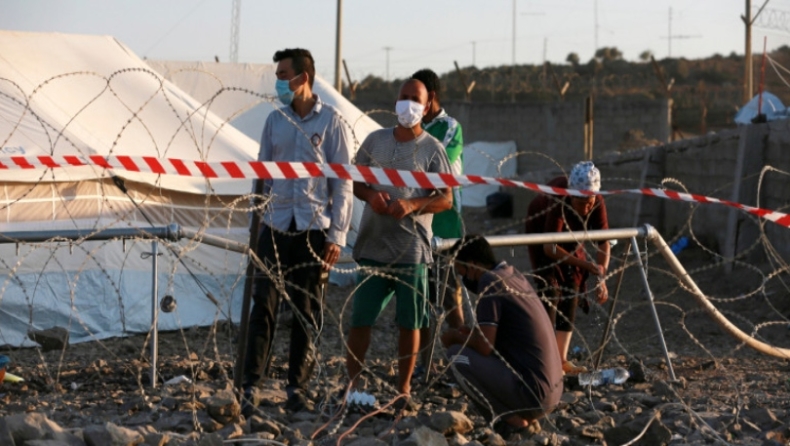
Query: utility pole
[[545, 46], [671, 36], [387, 49], [513, 61], [748, 79], [474, 63], [596, 26], [235, 15], [338, 48]]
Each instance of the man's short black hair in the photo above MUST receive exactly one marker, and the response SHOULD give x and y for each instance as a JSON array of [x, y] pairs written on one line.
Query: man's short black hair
[[430, 79], [301, 60], [474, 247]]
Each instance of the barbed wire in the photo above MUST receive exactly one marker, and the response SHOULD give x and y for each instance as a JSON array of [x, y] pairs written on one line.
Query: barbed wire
[[204, 351]]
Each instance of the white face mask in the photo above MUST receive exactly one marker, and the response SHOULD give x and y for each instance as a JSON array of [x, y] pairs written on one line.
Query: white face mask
[[409, 112]]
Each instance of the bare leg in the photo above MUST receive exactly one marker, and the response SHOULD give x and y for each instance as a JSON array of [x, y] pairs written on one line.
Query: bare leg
[[564, 343], [358, 343], [426, 337], [408, 346], [455, 317]]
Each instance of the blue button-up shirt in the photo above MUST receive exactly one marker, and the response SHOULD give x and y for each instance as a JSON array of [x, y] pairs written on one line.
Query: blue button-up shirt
[[322, 136]]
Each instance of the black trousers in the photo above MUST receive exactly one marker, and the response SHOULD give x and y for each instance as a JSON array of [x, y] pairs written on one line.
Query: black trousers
[[290, 260]]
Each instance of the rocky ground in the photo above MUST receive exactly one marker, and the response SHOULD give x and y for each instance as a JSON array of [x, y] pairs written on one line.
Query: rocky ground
[[100, 393]]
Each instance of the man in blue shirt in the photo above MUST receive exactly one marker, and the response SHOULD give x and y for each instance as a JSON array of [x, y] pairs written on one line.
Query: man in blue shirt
[[304, 224]]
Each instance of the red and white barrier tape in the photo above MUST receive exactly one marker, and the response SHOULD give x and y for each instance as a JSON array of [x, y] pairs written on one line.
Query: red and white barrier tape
[[295, 170]]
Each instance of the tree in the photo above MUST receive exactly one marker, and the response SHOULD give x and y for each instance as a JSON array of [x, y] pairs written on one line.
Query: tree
[[607, 54], [645, 55], [573, 59]]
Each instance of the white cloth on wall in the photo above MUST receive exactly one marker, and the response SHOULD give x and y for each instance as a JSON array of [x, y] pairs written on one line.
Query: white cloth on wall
[[489, 159]]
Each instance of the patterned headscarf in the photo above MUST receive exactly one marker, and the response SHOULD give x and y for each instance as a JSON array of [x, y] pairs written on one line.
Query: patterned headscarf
[[585, 176]]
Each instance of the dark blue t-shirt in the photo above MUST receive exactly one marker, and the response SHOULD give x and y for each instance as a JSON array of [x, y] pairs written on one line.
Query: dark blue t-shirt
[[524, 336]]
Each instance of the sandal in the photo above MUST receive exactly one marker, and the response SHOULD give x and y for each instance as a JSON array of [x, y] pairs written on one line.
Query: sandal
[[569, 368]]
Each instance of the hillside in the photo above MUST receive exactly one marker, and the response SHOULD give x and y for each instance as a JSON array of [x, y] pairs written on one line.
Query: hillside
[[706, 92]]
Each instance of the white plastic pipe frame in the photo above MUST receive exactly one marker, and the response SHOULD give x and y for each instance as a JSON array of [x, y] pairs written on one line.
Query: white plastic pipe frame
[[652, 235], [172, 233]]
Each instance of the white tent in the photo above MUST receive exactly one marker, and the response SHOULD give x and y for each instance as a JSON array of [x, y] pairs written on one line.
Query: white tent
[[90, 95], [242, 94]]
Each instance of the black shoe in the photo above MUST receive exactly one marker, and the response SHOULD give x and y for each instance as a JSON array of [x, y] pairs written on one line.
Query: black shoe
[[247, 404], [297, 402]]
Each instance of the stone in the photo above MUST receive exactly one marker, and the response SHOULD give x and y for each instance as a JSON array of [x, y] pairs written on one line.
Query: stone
[[644, 399], [305, 428], [367, 441], [5, 433], [656, 434], [763, 417], [223, 407], [55, 338], [451, 422], [156, 439], [664, 388], [257, 424], [212, 439], [109, 434], [231, 431], [637, 371], [45, 443], [456, 439], [605, 406], [35, 426], [423, 436]]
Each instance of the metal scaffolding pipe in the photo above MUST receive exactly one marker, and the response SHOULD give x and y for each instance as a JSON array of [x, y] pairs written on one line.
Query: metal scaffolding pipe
[[551, 237], [213, 240], [170, 232]]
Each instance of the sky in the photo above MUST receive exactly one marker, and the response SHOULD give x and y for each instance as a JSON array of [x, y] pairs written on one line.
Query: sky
[[419, 33]]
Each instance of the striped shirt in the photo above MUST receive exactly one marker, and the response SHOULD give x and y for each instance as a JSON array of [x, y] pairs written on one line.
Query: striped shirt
[[322, 136], [381, 237]]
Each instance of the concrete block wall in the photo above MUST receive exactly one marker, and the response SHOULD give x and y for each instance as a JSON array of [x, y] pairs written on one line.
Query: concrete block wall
[[704, 166], [724, 165], [775, 188], [550, 135]]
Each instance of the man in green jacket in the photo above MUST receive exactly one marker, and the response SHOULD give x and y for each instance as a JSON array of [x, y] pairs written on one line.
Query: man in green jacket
[[444, 287]]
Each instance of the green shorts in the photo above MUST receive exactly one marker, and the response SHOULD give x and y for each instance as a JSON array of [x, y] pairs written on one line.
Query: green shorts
[[376, 284]]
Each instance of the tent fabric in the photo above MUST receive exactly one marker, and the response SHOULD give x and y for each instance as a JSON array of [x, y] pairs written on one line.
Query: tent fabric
[[491, 159], [88, 95], [242, 94], [772, 108], [64, 94]]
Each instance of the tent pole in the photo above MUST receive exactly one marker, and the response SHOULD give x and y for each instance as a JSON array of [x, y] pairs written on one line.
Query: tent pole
[[248, 287], [643, 274], [154, 310]]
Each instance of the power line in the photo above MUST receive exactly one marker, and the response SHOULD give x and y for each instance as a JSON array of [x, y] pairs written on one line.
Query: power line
[[387, 49], [671, 36], [195, 8]]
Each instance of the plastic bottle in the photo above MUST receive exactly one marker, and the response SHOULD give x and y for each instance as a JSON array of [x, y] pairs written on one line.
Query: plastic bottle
[[616, 375], [679, 245]]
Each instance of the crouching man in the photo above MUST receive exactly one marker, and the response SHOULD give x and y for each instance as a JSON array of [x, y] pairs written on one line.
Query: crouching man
[[507, 360]]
